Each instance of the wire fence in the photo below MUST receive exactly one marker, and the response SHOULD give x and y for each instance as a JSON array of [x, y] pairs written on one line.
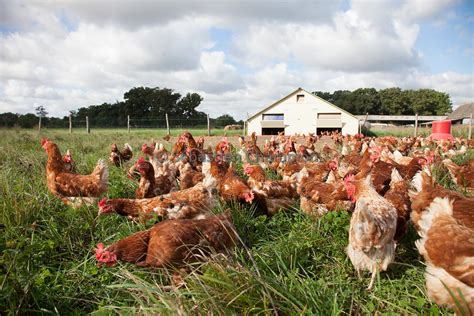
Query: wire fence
[[173, 123], [129, 124]]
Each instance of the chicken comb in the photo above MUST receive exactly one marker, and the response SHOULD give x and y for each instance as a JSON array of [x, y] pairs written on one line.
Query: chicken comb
[[144, 147], [248, 169], [43, 141], [140, 161], [103, 203], [99, 250], [249, 196], [349, 178], [376, 149], [423, 161], [105, 256]]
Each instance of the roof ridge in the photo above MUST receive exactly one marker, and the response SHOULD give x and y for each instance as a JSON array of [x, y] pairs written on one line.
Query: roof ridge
[[291, 93], [462, 111]]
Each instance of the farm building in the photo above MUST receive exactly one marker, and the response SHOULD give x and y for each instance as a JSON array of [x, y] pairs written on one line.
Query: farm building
[[302, 112], [462, 114]]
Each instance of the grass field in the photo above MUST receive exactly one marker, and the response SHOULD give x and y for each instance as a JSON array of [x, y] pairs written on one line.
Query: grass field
[[402, 131], [142, 132], [289, 264]]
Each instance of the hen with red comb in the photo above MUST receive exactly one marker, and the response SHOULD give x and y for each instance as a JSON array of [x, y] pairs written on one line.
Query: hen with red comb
[[173, 243], [65, 184]]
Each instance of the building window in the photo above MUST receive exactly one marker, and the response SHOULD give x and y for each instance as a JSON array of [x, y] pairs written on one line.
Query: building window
[[300, 98], [272, 117]]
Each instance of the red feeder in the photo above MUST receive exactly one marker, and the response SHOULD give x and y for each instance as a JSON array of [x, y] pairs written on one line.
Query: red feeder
[[441, 130]]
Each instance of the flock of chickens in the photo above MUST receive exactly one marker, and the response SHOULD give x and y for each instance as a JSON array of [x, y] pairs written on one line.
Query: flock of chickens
[[385, 182]]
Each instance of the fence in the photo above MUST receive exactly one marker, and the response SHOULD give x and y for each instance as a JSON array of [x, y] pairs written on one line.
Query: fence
[[406, 130], [409, 130], [132, 123], [168, 123]]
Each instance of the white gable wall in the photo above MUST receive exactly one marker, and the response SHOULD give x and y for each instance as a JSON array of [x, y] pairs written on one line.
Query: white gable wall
[[301, 117]]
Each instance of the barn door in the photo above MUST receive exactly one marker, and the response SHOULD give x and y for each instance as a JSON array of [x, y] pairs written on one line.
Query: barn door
[[328, 122]]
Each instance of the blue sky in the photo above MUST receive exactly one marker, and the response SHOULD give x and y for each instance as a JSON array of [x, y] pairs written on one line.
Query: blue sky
[[447, 44], [239, 55]]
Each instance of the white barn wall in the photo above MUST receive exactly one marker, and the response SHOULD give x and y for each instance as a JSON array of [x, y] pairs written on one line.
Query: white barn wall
[[254, 126], [301, 117]]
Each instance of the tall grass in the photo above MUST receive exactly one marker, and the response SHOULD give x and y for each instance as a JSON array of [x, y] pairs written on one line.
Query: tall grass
[[289, 264]]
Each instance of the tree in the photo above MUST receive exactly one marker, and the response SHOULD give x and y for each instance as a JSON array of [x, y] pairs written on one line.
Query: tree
[[41, 112], [28, 120], [430, 102], [341, 98], [186, 109], [390, 101], [394, 101], [365, 100], [143, 102], [224, 120], [324, 95], [8, 119]]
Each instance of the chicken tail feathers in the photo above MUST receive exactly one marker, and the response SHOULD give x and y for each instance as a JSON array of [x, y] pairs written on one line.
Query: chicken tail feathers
[[395, 176], [101, 171]]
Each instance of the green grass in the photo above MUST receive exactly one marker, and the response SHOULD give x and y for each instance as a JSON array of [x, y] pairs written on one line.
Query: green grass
[[291, 263], [400, 131], [134, 132]]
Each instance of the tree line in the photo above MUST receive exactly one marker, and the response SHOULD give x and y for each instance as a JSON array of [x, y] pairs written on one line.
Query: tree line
[[148, 106], [390, 101]]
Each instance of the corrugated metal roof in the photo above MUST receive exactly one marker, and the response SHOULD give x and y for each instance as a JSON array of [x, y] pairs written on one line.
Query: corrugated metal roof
[[463, 111]]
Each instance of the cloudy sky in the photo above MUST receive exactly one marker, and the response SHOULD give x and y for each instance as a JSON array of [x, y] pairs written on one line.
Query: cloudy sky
[[239, 55]]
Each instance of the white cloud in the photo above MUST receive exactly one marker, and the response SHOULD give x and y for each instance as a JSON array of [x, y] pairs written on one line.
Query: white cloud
[[134, 15], [69, 54], [418, 10], [364, 38]]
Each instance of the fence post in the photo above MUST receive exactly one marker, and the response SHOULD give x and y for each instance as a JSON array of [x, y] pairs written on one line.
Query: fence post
[[128, 123], [39, 124], [470, 128], [245, 128], [416, 125], [70, 123], [208, 126], [167, 124], [87, 125], [358, 123], [365, 120]]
